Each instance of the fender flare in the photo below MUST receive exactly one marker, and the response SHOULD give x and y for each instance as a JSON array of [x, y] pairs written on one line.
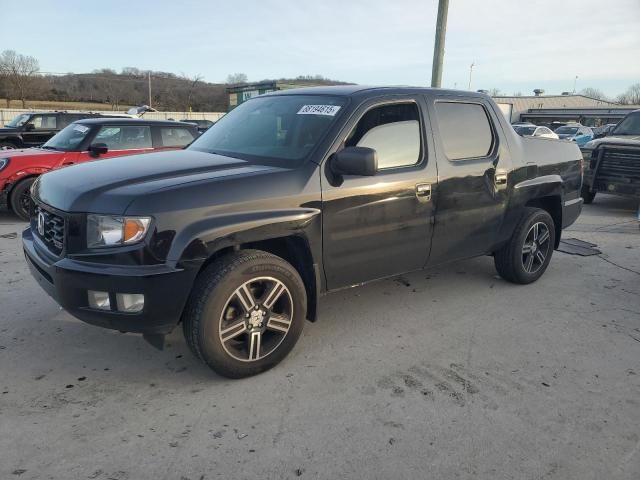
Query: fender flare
[[202, 239]]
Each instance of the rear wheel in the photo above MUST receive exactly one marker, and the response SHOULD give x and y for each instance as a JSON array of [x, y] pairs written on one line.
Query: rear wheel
[[587, 195], [246, 313], [21, 198], [6, 145], [527, 255]]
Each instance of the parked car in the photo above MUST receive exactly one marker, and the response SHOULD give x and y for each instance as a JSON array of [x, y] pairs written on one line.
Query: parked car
[[612, 163], [33, 129], [291, 195], [88, 139], [603, 130], [203, 125], [534, 131], [575, 132]]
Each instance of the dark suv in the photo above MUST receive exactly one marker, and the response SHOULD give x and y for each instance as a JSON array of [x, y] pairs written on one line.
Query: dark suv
[[289, 196], [33, 129]]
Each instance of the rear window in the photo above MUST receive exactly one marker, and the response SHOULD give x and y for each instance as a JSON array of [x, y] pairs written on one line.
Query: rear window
[[464, 130], [176, 137]]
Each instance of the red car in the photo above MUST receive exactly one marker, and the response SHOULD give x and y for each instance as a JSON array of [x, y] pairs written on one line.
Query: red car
[[82, 141]]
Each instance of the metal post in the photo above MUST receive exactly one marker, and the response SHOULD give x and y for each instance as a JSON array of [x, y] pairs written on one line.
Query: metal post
[[574, 84], [149, 87], [438, 47], [470, 72]]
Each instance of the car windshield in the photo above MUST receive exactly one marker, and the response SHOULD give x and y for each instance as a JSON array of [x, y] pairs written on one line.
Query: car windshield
[[284, 127], [567, 130], [19, 121], [630, 125], [68, 139], [525, 130]]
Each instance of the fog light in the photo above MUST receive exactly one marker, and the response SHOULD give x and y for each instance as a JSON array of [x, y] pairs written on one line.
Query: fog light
[[99, 300], [130, 302]]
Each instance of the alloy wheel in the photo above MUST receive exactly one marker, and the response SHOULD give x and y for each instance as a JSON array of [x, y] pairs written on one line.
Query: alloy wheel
[[255, 319], [536, 247]]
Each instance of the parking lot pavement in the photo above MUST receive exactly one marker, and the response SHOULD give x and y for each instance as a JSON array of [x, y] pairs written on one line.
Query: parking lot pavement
[[449, 373]]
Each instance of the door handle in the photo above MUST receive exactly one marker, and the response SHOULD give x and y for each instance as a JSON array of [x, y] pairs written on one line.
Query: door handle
[[423, 191]]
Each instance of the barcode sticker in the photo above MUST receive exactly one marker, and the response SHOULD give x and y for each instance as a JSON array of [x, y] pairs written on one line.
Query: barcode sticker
[[329, 110], [80, 128]]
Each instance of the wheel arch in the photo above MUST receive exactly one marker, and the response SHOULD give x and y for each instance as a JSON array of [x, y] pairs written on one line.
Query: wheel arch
[[14, 139], [11, 185], [286, 234], [552, 204]]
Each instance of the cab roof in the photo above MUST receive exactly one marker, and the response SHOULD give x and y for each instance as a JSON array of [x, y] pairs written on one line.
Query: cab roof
[[132, 121], [353, 90]]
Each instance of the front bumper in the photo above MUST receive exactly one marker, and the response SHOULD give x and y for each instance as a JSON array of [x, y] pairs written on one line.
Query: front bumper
[[66, 280]]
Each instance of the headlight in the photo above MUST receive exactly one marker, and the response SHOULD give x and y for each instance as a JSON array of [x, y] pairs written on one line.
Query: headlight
[[107, 230], [3, 162]]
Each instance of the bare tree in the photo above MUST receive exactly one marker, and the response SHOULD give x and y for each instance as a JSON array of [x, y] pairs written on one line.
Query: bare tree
[[495, 92], [20, 72], [235, 78], [191, 88], [631, 96], [593, 93]]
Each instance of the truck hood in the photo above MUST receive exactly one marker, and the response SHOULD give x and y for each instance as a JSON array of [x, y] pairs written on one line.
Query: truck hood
[[110, 185], [621, 140]]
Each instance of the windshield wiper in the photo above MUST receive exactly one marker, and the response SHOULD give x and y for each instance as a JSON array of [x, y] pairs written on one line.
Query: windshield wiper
[[49, 147]]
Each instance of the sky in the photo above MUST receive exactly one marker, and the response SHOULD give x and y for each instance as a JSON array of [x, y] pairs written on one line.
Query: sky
[[515, 45]]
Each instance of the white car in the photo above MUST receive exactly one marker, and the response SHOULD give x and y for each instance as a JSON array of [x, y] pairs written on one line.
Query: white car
[[534, 131]]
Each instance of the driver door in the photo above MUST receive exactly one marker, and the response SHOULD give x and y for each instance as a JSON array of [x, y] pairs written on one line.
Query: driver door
[[381, 225]]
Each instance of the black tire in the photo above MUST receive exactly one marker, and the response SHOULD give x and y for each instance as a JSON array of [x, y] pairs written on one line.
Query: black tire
[[587, 195], [20, 198], [7, 145], [215, 306], [519, 261]]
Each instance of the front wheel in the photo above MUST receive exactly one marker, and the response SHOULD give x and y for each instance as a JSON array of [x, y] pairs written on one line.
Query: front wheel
[[246, 313], [527, 255], [21, 198]]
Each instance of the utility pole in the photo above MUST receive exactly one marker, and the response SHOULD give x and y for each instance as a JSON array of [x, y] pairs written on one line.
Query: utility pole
[[470, 72], [574, 84], [438, 47], [149, 88]]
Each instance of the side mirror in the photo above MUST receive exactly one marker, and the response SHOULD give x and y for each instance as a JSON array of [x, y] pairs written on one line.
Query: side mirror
[[97, 149], [29, 127], [362, 161]]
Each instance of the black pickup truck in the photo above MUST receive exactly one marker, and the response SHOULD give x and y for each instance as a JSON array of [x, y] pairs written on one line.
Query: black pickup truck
[[612, 163], [35, 128], [291, 195]]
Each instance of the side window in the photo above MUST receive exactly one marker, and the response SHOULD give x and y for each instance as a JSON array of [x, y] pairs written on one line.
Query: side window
[[393, 131], [464, 130], [539, 132], [132, 137], [175, 137], [43, 122]]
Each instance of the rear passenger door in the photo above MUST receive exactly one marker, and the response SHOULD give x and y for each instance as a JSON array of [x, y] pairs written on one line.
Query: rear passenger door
[[171, 138], [473, 169]]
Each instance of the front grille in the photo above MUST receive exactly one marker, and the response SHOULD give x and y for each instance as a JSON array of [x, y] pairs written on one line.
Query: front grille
[[618, 166], [50, 228]]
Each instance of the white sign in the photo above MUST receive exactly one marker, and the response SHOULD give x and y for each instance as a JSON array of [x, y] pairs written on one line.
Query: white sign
[[80, 128], [329, 110]]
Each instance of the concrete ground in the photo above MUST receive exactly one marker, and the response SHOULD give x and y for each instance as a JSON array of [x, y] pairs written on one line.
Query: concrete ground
[[445, 374]]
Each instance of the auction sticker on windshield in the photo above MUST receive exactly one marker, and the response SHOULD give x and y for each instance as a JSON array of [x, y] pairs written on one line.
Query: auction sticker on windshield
[[329, 110], [80, 128]]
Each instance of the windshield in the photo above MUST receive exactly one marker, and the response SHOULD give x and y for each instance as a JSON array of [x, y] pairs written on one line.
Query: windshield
[[19, 121], [286, 127], [567, 130], [525, 130], [630, 125], [68, 139]]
